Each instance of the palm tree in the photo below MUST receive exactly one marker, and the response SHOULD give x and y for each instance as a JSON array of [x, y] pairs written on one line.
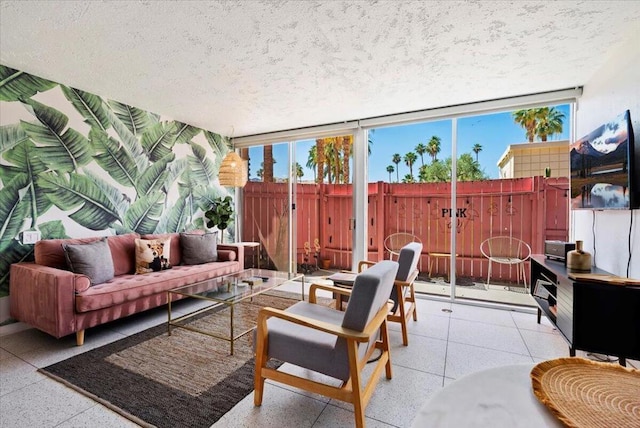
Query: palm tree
[[477, 148], [312, 161], [433, 147], [390, 169], [320, 160], [549, 122], [421, 149], [527, 119], [409, 159], [299, 170], [397, 159], [347, 143], [267, 175], [408, 179]]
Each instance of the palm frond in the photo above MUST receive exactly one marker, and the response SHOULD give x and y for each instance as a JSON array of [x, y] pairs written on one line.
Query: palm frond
[[129, 141], [93, 208], [17, 85], [184, 132], [202, 168], [14, 253], [10, 136], [27, 158], [219, 146], [158, 140], [176, 169], [117, 199], [62, 151], [113, 158], [13, 210], [143, 215], [90, 106], [135, 119], [154, 177]]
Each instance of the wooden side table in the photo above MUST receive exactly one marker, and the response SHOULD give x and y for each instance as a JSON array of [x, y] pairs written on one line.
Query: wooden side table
[[250, 244]]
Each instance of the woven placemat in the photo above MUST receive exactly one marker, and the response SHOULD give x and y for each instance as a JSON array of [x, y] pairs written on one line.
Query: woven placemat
[[584, 393]]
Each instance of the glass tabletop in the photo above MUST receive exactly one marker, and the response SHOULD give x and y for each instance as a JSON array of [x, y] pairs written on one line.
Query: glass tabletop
[[238, 286]]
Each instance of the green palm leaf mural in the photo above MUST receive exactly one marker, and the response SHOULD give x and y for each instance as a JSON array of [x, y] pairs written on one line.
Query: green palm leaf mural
[[114, 159], [13, 210], [16, 85], [143, 215], [219, 146], [89, 106], [158, 140], [116, 198], [184, 132], [63, 151], [134, 119], [155, 176], [204, 196], [129, 141], [203, 170], [94, 209], [176, 218], [11, 136], [176, 169], [25, 157]]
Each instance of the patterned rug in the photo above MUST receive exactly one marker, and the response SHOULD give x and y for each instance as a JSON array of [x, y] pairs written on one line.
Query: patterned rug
[[184, 380]]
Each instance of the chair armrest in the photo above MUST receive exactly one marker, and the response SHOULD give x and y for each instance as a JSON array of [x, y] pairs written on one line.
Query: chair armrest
[[409, 280], [363, 263], [332, 288], [358, 336]]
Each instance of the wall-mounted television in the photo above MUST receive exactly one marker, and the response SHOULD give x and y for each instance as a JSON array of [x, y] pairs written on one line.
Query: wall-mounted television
[[605, 167]]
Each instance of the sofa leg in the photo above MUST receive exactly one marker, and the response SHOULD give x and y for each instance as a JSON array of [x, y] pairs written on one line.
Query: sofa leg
[[80, 337]]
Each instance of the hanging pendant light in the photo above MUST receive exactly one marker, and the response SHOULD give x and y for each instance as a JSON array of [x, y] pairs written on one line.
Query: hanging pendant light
[[233, 171]]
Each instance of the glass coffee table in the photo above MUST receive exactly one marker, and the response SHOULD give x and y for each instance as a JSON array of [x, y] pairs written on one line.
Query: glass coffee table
[[228, 290]]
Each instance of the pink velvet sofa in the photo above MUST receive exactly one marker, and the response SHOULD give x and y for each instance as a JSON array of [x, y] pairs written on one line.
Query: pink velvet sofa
[[49, 297]]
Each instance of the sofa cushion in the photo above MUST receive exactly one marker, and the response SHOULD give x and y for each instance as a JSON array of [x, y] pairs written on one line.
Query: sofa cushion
[[49, 252], [175, 255], [199, 248], [92, 259], [127, 288], [152, 255]]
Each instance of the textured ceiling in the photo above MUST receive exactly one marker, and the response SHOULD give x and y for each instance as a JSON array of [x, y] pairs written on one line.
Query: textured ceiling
[[247, 67]]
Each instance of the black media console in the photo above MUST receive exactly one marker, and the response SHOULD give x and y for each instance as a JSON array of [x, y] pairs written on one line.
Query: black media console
[[592, 317]]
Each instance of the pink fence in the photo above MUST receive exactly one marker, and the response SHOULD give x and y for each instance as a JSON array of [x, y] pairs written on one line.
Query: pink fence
[[531, 209]]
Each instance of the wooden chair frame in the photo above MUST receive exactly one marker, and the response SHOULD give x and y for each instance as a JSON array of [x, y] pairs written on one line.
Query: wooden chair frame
[[350, 391], [403, 312]]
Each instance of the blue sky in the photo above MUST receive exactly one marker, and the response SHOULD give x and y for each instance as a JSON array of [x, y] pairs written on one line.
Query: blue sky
[[494, 132]]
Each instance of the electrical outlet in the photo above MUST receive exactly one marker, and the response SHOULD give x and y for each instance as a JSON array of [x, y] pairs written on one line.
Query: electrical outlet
[[30, 236]]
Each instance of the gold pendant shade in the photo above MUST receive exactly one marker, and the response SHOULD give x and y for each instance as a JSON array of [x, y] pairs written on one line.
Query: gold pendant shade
[[233, 171]]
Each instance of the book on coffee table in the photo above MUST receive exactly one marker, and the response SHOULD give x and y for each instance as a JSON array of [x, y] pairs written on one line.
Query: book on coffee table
[[254, 280]]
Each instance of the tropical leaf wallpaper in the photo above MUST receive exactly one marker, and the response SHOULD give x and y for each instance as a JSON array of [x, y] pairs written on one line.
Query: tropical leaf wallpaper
[[73, 164]]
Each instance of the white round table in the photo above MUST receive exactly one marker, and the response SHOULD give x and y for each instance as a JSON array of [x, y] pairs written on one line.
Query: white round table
[[497, 397]]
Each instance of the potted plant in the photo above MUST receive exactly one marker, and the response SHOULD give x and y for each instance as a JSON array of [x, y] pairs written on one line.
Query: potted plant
[[220, 214]]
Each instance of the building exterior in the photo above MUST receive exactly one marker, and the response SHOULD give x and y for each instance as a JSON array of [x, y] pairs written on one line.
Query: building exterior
[[532, 159]]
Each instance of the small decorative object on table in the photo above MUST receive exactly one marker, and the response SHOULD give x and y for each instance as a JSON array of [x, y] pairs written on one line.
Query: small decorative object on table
[[254, 280], [578, 259]]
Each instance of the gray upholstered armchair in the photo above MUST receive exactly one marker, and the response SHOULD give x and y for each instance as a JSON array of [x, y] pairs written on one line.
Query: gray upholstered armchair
[[403, 294], [325, 340]]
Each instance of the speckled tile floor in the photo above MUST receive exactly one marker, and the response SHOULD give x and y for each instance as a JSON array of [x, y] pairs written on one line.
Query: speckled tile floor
[[448, 341]]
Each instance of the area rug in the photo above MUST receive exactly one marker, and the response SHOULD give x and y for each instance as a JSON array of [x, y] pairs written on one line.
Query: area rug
[[184, 380]]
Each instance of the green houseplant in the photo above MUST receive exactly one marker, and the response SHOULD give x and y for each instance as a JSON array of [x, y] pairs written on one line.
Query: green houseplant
[[220, 214]]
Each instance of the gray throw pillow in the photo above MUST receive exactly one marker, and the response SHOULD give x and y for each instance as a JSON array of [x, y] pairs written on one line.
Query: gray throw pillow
[[93, 260], [199, 248]]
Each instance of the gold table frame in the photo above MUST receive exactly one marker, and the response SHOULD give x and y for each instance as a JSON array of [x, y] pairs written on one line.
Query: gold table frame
[[226, 290]]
